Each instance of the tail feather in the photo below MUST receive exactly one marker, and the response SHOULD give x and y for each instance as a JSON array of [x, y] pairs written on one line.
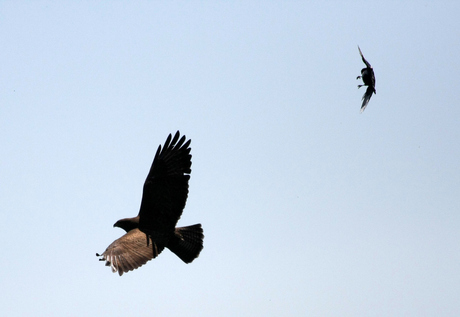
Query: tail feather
[[367, 96], [187, 242]]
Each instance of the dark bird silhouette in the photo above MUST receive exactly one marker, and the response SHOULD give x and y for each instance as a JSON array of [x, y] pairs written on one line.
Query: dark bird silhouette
[[163, 200], [367, 75]]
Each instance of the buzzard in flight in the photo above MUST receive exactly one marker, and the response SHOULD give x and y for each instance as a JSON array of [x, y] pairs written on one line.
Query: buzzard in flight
[[367, 74], [163, 199]]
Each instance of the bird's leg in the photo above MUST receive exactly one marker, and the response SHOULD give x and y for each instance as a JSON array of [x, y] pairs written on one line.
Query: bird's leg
[[358, 77], [359, 86]]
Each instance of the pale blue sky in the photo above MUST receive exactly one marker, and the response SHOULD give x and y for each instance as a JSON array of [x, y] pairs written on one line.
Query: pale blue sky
[[309, 208]]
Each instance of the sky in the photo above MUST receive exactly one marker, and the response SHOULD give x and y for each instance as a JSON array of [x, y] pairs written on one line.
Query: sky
[[309, 207]]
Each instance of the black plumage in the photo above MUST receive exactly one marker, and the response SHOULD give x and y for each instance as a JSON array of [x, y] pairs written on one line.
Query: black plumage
[[164, 196], [368, 77]]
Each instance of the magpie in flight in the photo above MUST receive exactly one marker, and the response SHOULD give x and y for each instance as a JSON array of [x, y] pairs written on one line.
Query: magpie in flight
[[367, 75]]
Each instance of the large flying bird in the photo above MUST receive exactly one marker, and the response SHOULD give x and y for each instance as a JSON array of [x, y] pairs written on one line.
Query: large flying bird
[[163, 199], [367, 74]]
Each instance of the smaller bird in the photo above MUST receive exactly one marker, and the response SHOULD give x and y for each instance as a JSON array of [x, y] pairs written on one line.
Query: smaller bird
[[367, 74]]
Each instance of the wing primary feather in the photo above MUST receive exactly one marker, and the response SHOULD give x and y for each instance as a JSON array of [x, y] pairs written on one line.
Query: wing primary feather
[[176, 137], [168, 141]]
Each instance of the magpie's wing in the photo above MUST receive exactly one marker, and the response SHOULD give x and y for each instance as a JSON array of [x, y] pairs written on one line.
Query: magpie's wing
[[364, 60]]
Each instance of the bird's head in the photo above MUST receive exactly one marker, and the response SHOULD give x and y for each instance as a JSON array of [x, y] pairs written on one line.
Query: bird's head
[[127, 224]]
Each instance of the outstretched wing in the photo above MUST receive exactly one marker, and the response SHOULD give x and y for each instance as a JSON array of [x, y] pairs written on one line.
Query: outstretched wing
[[129, 252], [166, 187], [364, 60]]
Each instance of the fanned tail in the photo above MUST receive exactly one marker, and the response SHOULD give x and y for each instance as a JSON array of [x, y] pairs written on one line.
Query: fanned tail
[[187, 242]]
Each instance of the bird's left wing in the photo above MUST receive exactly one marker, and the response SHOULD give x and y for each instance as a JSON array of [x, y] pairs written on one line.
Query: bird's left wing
[[129, 252]]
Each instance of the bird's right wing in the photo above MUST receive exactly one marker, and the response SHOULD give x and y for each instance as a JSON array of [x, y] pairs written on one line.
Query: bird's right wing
[[129, 252], [364, 60], [166, 187]]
